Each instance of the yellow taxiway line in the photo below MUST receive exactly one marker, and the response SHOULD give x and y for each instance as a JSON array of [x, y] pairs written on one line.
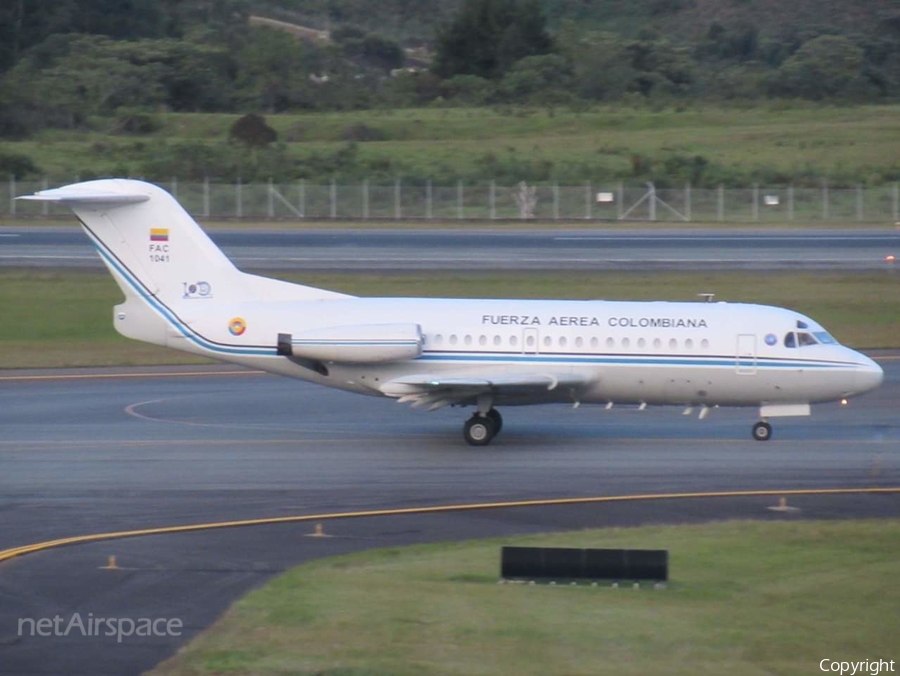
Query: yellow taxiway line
[[436, 509]]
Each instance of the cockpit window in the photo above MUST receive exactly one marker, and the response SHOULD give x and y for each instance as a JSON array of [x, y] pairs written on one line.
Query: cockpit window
[[789, 340], [802, 325], [824, 337], [806, 339]]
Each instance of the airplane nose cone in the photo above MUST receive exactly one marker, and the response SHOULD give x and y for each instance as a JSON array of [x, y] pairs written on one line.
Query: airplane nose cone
[[869, 375]]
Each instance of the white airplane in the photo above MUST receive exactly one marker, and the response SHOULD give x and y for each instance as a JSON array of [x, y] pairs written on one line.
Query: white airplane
[[182, 292]]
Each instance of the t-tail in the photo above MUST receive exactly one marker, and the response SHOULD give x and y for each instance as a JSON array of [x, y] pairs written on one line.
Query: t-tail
[[161, 259]]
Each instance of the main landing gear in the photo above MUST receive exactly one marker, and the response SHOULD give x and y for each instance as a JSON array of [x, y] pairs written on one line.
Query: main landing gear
[[482, 427], [762, 431]]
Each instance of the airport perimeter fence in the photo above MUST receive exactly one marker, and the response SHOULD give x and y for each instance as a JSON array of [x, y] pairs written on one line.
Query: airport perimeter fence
[[489, 201]]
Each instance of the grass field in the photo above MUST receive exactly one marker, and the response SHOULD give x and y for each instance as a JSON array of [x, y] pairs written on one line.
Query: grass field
[[852, 144], [744, 598], [65, 319]]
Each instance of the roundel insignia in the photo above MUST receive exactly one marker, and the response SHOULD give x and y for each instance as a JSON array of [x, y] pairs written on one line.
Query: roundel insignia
[[237, 326], [771, 339]]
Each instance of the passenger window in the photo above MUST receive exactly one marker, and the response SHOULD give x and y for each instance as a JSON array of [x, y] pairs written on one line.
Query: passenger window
[[642, 343], [610, 343], [657, 343], [468, 340], [689, 344], [626, 343], [497, 340], [438, 339], [595, 342], [673, 344], [579, 341], [453, 339], [562, 341], [789, 340], [529, 341], [704, 344], [548, 341], [513, 340], [482, 340]]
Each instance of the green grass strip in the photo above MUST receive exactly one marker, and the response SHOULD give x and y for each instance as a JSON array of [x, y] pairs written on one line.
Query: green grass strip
[[744, 598]]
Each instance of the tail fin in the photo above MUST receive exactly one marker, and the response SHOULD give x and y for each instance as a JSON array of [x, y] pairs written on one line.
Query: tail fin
[[161, 258], [146, 238]]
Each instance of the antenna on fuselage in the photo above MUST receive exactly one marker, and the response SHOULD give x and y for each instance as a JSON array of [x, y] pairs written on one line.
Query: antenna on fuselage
[[707, 297]]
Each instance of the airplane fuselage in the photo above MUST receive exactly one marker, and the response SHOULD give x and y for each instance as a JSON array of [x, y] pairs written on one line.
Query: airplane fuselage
[[728, 354]]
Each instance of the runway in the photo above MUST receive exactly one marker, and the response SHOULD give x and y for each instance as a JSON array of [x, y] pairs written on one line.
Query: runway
[[97, 454], [490, 249]]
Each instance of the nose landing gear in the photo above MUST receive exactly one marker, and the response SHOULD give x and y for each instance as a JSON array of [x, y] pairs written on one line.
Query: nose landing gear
[[480, 429]]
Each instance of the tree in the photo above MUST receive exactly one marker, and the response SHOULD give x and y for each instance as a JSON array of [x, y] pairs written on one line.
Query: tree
[[601, 67], [488, 36], [539, 79], [821, 68], [252, 131]]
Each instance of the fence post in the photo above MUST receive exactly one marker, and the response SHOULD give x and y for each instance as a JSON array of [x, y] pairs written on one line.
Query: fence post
[[459, 200], [652, 201], [239, 199], [206, 197], [301, 189], [824, 199], [859, 202], [332, 211], [45, 206], [365, 198], [720, 203], [755, 209], [12, 195], [429, 210], [492, 199], [270, 205], [621, 200], [556, 201], [896, 200], [687, 201], [790, 197], [397, 211], [587, 200]]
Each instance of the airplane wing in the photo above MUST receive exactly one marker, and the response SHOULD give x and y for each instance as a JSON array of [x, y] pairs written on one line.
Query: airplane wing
[[436, 391]]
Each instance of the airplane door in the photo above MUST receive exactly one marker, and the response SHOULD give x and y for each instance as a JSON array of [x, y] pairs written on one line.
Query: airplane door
[[530, 341], [746, 354]]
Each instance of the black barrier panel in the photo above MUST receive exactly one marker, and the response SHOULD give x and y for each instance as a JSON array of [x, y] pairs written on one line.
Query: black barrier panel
[[564, 563], [647, 564], [549, 563], [604, 564], [521, 561]]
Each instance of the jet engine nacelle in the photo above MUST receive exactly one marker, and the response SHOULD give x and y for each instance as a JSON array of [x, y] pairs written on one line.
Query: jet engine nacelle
[[357, 343]]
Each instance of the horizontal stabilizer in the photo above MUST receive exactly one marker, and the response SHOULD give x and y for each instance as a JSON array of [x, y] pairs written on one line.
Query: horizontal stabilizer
[[75, 194]]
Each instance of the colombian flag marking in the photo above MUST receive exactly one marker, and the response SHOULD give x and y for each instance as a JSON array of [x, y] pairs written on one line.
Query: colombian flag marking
[[159, 234]]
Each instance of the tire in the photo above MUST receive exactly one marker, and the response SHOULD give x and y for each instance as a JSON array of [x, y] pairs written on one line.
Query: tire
[[479, 430], [494, 415], [762, 431]]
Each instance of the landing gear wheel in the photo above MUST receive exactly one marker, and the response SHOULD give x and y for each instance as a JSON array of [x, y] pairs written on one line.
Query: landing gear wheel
[[479, 430], [494, 415], [762, 431]]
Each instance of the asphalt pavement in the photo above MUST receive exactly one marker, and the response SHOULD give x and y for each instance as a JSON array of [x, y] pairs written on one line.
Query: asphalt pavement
[[107, 450], [643, 248]]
